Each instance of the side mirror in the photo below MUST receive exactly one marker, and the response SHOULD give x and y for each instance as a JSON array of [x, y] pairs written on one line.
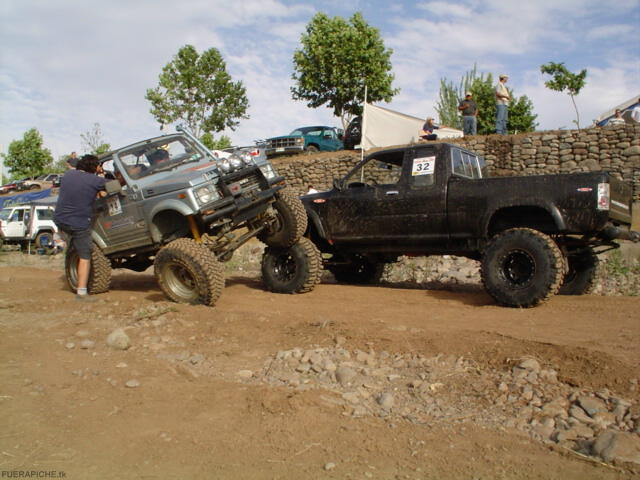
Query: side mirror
[[113, 186], [337, 183]]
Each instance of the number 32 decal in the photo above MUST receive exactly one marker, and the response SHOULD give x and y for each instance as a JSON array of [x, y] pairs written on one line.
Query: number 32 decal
[[423, 166]]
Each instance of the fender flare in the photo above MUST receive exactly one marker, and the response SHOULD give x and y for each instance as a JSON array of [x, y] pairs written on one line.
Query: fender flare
[[550, 208]]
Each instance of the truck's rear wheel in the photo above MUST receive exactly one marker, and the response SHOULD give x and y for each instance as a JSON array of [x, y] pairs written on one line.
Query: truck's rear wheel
[[359, 271], [290, 222], [580, 278], [44, 240], [188, 272], [296, 269], [99, 273], [522, 267]]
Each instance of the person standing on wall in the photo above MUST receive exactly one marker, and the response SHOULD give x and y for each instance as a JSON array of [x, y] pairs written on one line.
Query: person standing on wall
[[73, 215], [502, 105], [469, 111], [72, 160]]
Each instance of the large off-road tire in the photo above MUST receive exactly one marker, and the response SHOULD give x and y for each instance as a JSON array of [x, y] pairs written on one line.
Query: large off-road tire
[[99, 273], [296, 269], [291, 220], [188, 272], [44, 240], [358, 271], [580, 278], [522, 267], [311, 149]]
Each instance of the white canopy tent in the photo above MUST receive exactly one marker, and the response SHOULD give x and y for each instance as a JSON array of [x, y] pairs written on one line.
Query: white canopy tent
[[382, 127]]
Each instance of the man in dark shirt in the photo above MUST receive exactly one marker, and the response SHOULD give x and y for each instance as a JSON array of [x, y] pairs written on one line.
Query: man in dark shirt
[[74, 213], [469, 111]]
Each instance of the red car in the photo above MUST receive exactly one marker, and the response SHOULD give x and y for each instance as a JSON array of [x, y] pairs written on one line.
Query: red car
[[8, 188]]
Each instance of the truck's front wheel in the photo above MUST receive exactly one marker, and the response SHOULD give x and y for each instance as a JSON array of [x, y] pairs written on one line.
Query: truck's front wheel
[[522, 267], [99, 273], [296, 269], [290, 221], [580, 278], [188, 272]]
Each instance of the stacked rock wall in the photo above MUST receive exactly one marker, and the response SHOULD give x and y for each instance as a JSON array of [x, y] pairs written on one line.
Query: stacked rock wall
[[615, 149]]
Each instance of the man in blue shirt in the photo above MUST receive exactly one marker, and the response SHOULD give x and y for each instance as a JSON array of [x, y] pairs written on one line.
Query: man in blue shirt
[[74, 213]]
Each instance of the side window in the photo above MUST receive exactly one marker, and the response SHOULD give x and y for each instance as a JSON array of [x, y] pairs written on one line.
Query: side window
[[17, 215], [44, 213], [465, 164], [423, 170], [384, 170]]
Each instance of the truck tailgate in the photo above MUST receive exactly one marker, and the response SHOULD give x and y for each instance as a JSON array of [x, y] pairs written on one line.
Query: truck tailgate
[[621, 198]]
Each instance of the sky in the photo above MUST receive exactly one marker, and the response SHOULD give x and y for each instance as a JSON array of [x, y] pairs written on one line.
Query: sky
[[68, 64]]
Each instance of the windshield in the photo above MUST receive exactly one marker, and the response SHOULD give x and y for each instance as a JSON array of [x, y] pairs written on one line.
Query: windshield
[[158, 157], [4, 214]]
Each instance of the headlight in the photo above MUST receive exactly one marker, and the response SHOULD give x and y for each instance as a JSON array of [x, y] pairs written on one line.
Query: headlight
[[268, 171], [206, 194], [300, 140], [236, 162], [225, 165], [247, 159]]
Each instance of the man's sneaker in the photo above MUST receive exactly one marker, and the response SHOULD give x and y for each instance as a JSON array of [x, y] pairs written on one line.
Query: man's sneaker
[[85, 298]]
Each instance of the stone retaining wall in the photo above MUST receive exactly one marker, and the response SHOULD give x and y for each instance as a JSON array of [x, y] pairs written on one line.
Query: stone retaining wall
[[614, 149]]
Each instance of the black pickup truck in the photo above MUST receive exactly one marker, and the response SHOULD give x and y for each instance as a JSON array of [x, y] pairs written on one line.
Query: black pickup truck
[[534, 235]]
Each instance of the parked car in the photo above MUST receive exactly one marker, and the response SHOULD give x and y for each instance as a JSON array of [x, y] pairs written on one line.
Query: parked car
[[22, 224], [51, 178], [309, 139], [534, 236], [29, 183], [9, 188], [353, 134]]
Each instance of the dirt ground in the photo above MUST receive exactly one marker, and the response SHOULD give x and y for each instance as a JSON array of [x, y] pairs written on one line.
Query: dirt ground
[[186, 399]]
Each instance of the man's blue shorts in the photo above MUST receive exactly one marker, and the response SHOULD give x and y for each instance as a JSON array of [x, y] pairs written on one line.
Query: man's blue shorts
[[80, 239]]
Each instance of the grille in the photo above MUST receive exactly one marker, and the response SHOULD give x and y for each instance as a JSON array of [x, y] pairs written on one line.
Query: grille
[[282, 142], [250, 183]]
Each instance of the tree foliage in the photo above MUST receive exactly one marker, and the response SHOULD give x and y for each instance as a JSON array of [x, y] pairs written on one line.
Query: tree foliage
[[93, 141], [212, 144], [197, 90], [521, 116], [336, 60], [28, 157], [564, 80]]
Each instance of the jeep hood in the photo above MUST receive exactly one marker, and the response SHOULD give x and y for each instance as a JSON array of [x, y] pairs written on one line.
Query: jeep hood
[[187, 176]]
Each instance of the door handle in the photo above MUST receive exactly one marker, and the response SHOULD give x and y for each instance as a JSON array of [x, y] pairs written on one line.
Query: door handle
[[392, 192]]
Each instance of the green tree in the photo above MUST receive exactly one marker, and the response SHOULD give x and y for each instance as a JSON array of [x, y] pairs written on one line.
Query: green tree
[[28, 157], [336, 60], [93, 142], [213, 144], [563, 80], [521, 116], [198, 90]]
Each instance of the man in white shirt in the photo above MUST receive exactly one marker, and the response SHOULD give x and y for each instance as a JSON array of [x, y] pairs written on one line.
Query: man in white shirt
[[502, 105]]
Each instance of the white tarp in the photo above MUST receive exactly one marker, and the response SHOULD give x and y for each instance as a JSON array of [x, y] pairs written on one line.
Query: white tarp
[[382, 127]]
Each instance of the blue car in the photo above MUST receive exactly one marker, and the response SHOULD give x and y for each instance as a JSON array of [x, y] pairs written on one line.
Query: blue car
[[306, 139]]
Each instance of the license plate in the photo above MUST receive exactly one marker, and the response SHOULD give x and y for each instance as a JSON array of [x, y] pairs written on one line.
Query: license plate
[[280, 149]]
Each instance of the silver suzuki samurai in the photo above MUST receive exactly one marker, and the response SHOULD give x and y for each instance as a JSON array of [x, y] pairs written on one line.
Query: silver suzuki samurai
[[174, 204]]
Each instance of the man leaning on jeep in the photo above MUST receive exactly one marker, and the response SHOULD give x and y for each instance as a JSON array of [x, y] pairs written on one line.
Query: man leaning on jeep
[[74, 213]]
